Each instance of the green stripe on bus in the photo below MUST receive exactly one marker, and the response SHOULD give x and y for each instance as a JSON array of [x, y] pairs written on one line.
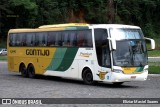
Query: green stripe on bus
[[62, 59], [68, 59], [76, 28], [57, 59], [139, 69]]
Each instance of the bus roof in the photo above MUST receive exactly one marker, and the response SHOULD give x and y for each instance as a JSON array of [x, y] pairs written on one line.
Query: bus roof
[[65, 25], [56, 27], [71, 26], [114, 26]]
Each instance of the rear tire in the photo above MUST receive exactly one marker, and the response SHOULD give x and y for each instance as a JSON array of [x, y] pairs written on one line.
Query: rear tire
[[23, 70], [87, 77], [31, 71]]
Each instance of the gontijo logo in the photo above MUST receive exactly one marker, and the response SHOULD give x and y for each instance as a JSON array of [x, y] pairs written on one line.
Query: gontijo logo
[[102, 75], [38, 52]]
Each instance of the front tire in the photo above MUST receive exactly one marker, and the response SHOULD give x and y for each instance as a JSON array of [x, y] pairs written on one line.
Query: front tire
[[87, 77], [31, 71]]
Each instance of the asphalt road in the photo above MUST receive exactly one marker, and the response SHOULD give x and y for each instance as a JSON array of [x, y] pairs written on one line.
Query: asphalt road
[[12, 85]]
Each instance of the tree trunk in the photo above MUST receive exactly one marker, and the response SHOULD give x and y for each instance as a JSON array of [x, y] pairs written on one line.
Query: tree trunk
[[110, 13]]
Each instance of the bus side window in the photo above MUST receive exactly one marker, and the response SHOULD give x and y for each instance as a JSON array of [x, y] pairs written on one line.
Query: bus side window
[[58, 39], [88, 36], [30, 39], [11, 40], [23, 41], [14, 40], [80, 38], [18, 39], [51, 39], [65, 38], [73, 38], [39, 39], [42, 38], [36, 40], [84, 38]]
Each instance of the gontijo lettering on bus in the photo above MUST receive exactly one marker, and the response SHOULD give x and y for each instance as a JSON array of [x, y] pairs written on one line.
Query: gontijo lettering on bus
[[37, 52]]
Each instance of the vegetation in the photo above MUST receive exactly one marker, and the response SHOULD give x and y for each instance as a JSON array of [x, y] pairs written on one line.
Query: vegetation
[[154, 53], [154, 67], [3, 44], [33, 13], [3, 58], [154, 70]]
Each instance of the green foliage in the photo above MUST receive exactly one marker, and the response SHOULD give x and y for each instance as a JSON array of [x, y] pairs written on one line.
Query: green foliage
[[26, 3], [3, 58], [154, 53], [26, 11], [154, 69], [3, 45]]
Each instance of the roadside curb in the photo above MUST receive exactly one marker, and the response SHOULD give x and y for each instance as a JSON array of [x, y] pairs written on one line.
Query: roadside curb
[[154, 75], [1, 61], [154, 57]]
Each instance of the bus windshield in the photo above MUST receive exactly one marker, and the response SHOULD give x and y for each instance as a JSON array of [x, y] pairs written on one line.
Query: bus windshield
[[131, 49]]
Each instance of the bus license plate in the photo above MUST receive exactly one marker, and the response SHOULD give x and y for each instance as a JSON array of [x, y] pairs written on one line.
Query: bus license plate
[[133, 77]]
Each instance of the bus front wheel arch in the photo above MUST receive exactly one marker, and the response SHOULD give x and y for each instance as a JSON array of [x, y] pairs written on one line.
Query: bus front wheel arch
[[31, 71], [87, 76], [23, 70]]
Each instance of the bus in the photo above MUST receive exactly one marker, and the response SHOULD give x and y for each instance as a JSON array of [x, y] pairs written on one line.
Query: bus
[[112, 53]]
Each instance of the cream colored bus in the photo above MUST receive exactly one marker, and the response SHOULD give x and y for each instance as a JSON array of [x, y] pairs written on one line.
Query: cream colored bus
[[91, 52]]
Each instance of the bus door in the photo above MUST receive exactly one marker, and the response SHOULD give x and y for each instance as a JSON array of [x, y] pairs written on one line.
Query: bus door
[[103, 54]]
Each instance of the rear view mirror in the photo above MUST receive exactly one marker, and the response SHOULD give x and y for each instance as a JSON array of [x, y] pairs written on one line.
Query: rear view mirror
[[152, 43]]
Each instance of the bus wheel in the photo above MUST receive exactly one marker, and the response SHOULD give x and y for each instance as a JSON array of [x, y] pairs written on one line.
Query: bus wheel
[[87, 77], [117, 83], [31, 71], [23, 70]]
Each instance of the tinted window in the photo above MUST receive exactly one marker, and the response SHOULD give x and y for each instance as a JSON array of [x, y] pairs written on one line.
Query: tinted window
[[17, 40], [12, 39], [51, 39], [41, 39], [84, 38], [73, 38], [102, 47], [80, 38], [65, 38], [30, 39], [58, 38]]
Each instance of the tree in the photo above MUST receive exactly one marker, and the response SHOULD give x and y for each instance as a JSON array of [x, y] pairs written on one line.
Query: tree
[[4, 10], [34, 13], [26, 11]]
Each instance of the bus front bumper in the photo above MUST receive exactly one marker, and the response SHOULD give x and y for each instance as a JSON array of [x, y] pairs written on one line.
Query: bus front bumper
[[120, 77]]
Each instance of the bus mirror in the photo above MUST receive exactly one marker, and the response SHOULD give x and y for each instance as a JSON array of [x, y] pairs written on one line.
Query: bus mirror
[[152, 43], [113, 42]]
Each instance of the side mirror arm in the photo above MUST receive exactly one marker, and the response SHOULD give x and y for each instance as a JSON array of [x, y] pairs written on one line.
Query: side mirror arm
[[113, 42]]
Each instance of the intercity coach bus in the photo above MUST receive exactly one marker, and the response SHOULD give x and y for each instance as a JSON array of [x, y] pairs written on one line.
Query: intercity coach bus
[[90, 52]]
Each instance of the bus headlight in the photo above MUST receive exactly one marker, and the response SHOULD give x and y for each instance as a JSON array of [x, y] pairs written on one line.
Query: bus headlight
[[117, 71]]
